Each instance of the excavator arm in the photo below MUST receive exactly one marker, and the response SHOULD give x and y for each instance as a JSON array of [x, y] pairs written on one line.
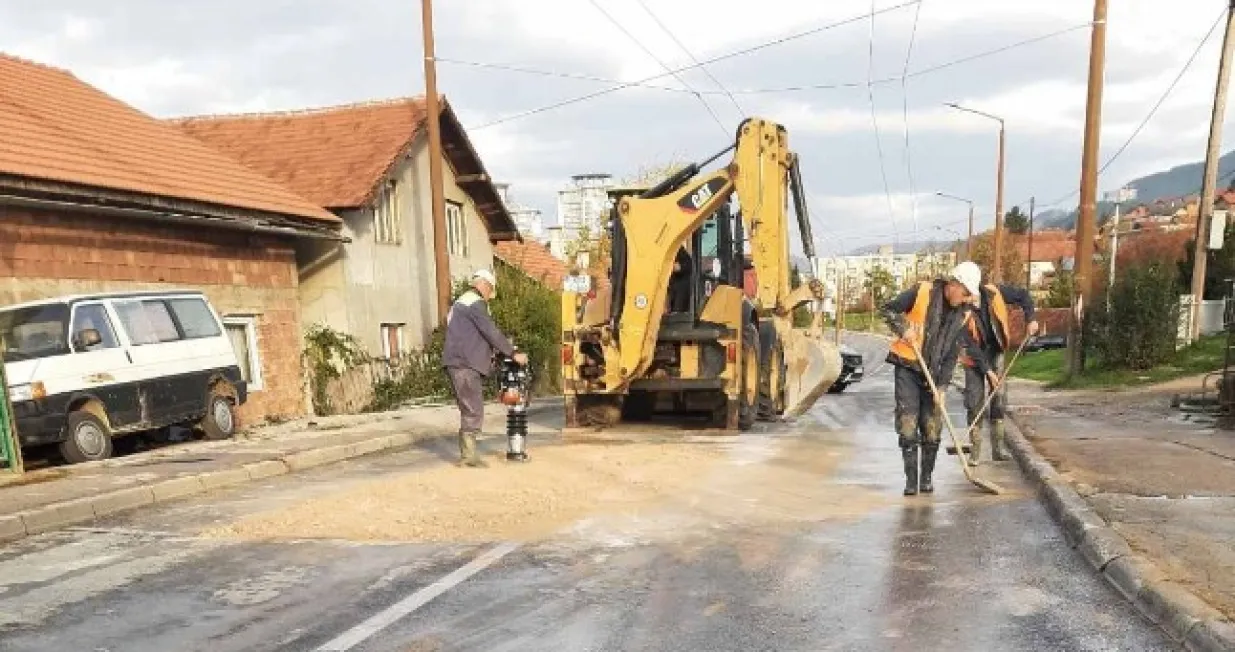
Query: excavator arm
[[768, 172]]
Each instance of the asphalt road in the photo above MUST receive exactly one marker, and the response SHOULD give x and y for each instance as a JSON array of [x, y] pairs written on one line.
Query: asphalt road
[[863, 569]]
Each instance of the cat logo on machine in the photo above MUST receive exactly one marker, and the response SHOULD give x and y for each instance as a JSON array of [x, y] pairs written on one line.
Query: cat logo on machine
[[641, 301], [695, 199]]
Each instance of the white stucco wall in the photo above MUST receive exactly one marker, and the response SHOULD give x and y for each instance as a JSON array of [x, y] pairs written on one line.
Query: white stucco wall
[[374, 283]]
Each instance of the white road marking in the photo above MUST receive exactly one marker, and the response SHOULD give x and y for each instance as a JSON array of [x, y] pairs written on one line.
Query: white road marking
[[392, 614]]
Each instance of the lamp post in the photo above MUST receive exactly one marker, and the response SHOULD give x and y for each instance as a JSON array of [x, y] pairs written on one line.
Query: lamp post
[[996, 272], [969, 241]]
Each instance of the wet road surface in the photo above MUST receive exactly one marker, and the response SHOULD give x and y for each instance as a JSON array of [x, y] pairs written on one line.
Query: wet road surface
[[845, 563]]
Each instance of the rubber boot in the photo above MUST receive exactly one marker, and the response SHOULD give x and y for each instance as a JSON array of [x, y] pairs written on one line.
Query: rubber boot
[[928, 467], [909, 455], [975, 444], [467, 451], [998, 438]]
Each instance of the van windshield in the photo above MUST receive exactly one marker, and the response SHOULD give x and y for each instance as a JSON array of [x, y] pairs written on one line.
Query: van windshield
[[34, 332]]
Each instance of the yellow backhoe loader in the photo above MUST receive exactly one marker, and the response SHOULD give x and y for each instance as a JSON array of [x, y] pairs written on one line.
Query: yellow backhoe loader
[[682, 327]]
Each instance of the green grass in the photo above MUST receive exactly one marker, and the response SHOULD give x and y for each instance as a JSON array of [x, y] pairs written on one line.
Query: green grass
[[1048, 367], [863, 321]]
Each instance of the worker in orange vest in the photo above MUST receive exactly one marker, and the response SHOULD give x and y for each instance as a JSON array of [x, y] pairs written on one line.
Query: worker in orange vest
[[992, 329], [936, 315]]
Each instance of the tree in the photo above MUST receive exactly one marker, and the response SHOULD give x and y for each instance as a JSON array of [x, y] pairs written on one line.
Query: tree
[[1013, 268], [1220, 267], [1140, 328], [1016, 222], [1059, 293], [880, 284]]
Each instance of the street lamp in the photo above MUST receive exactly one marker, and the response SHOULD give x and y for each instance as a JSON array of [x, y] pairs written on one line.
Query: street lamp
[[969, 242], [995, 273]]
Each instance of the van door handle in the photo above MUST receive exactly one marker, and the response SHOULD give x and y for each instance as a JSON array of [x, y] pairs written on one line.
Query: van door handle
[[128, 355]]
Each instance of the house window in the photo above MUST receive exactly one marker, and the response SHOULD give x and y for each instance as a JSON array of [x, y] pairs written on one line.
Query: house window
[[386, 220], [392, 340], [242, 331], [456, 230]]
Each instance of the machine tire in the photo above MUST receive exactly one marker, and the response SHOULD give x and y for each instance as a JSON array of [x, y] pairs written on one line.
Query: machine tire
[[89, 439], [220, 420], [747, 409]]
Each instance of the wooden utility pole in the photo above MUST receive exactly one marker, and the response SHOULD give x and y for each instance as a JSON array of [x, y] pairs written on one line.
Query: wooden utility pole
[[441, 259], [1029, 248], [1089, 189], [1206, 209], [997, 273]]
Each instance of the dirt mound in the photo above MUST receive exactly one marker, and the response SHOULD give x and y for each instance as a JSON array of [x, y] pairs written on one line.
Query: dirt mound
[[628, 492]]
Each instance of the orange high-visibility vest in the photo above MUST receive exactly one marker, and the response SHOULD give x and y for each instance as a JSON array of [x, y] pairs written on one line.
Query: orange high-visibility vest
[[999, 313], [917, 319]]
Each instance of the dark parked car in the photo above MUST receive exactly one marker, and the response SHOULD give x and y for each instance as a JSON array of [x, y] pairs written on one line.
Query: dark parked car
[[850, 372], [1046, 342]]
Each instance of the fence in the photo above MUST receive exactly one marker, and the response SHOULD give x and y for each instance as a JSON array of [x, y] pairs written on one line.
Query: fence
[[1212, 317]]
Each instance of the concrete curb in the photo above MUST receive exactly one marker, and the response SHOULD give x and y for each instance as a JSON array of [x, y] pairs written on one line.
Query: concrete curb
[[1187, 619], [84, 510]]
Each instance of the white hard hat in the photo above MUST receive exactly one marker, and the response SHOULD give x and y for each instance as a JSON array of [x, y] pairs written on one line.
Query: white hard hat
[[486, 276], [968, 275]]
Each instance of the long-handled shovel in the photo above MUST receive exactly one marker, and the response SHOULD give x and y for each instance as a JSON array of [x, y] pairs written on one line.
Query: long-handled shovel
[[984, 485], [989, 397]]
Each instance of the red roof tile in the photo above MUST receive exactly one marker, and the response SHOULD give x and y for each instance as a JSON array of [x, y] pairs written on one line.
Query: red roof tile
[[533, 259], [333, 156], [55, 127]]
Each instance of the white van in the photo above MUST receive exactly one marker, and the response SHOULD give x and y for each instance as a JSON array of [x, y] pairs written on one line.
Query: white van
[[84, 369]]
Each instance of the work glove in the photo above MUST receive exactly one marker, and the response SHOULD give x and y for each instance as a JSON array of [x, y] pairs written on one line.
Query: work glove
[[898, 324]]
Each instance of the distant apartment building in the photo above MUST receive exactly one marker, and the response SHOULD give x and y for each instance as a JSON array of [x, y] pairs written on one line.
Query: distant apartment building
[[583, 203], [853, 272], [528, 220]]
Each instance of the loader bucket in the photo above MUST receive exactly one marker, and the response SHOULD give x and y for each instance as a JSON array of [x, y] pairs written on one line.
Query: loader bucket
[[813, 364]]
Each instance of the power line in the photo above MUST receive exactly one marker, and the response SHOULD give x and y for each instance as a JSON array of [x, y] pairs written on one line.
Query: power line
[[737, 53], [1154, 110], [1165, 94], [870, 95], [662, 64], [703, 68], [754, 91], [913, 193]]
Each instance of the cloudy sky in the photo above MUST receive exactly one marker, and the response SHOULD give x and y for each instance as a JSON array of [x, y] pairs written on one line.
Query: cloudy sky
[[193, 56]]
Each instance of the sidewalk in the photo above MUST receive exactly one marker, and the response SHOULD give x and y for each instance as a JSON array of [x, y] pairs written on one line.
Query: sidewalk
[[1164, 483], [56, 497]]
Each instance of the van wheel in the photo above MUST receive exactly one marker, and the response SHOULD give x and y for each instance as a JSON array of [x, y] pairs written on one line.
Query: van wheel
[[89, 439], [220, 419]]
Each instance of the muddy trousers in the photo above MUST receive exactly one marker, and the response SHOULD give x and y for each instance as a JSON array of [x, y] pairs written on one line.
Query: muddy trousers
[[918, 424], [468, 386], [976, 387]]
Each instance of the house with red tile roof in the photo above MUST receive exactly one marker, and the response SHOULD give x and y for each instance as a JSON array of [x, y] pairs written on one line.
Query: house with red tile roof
[[368, 164], [97, 196]]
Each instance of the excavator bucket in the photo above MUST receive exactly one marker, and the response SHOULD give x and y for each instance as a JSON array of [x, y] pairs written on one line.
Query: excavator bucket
[[813, 364]]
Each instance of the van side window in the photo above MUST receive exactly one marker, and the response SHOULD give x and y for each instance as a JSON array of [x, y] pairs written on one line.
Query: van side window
[[195, 318], [94, 316], [147, 322]]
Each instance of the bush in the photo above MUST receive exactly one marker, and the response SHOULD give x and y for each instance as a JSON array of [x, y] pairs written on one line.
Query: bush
[[1139, 330], [327, 354], [526, 311], [531, 315]]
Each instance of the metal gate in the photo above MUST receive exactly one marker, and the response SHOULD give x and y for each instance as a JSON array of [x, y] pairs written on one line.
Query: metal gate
[[1226, 393], [10, 449]]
